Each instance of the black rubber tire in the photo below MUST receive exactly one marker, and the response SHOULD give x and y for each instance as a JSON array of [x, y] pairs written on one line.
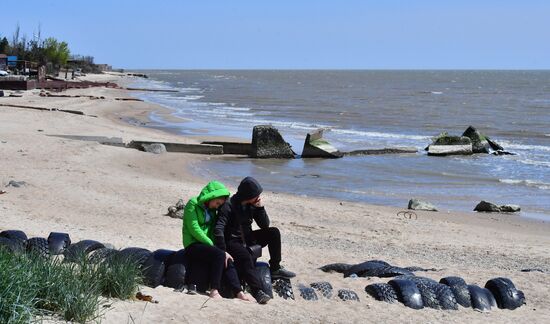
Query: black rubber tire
[[38, 246], [364, 269], [324, 287], [459, 289], [347, 295], [102, 255], [336, 267], [155, 266], [407, 293], [445, 297], [12, 246], [390, 271], [428, 281], [264, 273], [58, 242], [505, 293], [308, 293], [283, 288], [482, 299], [16, 235], [81, 249], [136, 255], [175, 270], [382, 292], [427, 291]]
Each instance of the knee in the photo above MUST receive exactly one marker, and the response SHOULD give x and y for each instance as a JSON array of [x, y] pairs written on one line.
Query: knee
[[219, 255], [274, 232]]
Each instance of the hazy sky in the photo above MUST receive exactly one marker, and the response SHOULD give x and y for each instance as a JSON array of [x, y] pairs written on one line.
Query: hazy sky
[[382, 34]]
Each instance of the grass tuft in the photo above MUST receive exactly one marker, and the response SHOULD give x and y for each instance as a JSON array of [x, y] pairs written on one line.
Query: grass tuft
[[32, 286]]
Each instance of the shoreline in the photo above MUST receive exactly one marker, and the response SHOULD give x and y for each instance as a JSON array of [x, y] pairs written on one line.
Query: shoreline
[[148, 122], [119, 196]]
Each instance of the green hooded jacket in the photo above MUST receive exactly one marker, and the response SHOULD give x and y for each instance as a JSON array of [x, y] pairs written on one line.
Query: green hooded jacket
[[195, 226]]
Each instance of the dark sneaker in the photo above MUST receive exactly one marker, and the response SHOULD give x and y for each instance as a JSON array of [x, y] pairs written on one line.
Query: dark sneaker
[[261, 297], [282, 273], [191, 289]]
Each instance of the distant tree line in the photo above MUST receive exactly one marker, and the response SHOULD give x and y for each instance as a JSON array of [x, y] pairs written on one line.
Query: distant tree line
[[49, 51]]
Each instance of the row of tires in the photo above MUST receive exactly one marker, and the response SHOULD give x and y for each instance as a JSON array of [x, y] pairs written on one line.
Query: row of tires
[[450, 292], [161, 267]]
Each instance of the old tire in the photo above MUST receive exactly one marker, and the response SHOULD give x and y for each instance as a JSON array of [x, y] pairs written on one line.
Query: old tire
[[382, 292], [427, 291], [283, 288], [155, 266], [407, 293], [460, 290], [135, 255], [175, 270], [482, 299], [308, 293], [336, 267], [12, 246], [365, 269], [391, 271], [505, 293], [347, 295], [79, 250], [38, 246], [264, 273], [324, 287], [58, 242], [445, 297], [102, 255], [14, 235]]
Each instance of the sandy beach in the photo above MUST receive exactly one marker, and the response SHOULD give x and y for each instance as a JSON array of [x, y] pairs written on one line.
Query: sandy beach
[[119, 196]]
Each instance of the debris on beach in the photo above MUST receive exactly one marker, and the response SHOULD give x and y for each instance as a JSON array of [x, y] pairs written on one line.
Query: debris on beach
[[156, 148], [16, 184], [488, 207], [417, 204], [176, 211]]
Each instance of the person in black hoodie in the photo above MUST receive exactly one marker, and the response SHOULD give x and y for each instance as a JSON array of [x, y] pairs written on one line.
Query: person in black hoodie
[[233, 233]]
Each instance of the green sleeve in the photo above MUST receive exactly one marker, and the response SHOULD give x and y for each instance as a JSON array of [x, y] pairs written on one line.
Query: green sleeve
[[192, 224]]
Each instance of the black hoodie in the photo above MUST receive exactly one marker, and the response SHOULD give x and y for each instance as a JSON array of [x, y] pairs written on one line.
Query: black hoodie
[[235, 219]]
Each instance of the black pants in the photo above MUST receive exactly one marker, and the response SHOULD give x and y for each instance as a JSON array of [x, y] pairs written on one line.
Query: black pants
[[206, 267], [272, 238], [244, 263]]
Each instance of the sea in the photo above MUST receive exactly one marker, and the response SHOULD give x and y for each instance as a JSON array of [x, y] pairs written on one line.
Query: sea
[[366, 109]]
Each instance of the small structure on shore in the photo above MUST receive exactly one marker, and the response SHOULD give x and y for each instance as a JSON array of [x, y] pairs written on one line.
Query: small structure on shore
[[268, 143], [315, 146]]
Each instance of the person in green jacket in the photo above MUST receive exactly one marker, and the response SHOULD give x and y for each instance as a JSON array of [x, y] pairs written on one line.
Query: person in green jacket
[[199, 219]]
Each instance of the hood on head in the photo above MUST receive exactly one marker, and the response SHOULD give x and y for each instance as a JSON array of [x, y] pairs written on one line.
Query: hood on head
[[248, 189], [213, 190]]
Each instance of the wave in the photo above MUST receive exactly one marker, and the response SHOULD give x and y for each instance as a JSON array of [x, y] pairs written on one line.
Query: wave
[[379, 134], [529, 183], [535, 162], [518, 146]]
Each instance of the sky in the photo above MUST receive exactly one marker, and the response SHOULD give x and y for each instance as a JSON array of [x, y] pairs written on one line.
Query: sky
[[299, 34]]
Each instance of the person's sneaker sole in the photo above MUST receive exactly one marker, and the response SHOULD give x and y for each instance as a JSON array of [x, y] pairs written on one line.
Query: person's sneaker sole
[[264, 300]]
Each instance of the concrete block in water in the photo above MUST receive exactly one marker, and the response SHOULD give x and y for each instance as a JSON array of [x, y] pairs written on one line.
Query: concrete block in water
[[442, 150], [315, 146], [267, 143]]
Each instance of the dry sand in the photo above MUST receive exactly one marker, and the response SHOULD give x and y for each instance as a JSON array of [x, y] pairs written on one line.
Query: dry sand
[[120, 196]]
